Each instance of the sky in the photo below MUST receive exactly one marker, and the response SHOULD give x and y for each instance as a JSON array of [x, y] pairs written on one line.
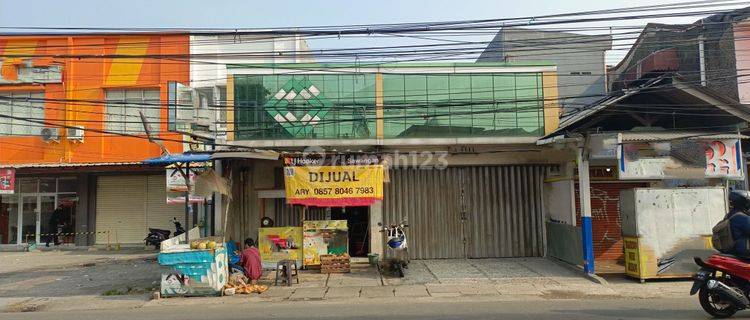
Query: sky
[[292, 13]]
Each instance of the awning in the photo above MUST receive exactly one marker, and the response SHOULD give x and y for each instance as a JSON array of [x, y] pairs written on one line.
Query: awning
[[672, 135], [175, 158], [67, 164]]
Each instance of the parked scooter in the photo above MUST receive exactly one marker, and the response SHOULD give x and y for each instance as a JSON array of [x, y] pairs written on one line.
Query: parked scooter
[[156, 236], [722, 284], [395, 238]]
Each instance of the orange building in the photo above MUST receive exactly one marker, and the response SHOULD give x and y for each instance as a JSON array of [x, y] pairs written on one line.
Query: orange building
[[70, 128]]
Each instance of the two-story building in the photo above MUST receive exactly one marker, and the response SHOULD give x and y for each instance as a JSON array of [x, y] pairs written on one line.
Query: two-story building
[[71, 130], [459, 139], [71, 135]]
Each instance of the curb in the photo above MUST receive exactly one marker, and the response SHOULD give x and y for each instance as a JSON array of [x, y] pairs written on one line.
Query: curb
[[591, 277]]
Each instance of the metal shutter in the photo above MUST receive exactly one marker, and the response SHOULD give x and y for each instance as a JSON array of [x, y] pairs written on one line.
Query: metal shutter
[[505, 211], [605, 218], [430, 199], [121, 208], [502, 205], [159, 214]]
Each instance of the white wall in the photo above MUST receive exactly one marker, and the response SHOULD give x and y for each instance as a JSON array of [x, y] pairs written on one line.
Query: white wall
[[211, 53], [558, 201]]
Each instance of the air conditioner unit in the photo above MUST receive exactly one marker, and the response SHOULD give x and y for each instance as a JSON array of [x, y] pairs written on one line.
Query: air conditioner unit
[[75, 133], [50, 134]]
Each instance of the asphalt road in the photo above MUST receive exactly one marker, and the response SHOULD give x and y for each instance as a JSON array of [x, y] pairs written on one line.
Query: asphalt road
[[684, 308]]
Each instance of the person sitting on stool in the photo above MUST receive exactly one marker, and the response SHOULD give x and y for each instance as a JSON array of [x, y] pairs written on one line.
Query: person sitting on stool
[[251, 262]]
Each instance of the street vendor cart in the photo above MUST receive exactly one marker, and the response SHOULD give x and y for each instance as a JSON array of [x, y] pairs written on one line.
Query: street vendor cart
[[198, 269]]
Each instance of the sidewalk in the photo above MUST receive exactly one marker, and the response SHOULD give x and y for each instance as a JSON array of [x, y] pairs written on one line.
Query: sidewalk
[[79, 287], [57, 259]]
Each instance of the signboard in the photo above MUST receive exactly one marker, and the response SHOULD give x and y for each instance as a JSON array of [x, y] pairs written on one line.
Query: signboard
[[324, 237], [7, 181], [325, 186], [176, 187], [723, 159], [280, 243], [603, 146], [686, 159]]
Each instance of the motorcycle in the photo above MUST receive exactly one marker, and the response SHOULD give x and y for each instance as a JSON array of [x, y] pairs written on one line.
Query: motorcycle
[[397, 245], [722, 284], [156, 236]]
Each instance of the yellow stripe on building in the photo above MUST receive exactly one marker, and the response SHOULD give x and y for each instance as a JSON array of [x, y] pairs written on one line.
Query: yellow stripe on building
[[126, 71]]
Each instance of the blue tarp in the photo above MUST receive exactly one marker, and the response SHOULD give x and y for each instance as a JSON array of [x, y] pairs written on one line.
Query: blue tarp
[[182, 157], [173, 258]]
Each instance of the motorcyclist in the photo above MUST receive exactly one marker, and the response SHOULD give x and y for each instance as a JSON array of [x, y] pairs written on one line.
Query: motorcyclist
[[739, 221]]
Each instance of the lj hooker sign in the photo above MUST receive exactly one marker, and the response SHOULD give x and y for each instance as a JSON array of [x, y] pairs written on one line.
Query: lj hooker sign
[[326, 186]]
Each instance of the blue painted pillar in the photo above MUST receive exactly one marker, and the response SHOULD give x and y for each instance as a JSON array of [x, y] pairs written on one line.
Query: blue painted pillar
[[584, 192]]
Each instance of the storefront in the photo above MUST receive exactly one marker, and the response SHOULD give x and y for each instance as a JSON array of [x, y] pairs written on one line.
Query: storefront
[[482, 119], [466, 210], [333, 194], [90, 205], [39, 207]]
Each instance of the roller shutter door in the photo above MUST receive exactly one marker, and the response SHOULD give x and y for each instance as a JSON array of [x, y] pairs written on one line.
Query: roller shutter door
[[121, 208], [506, 217], [605, 218], [469, 212], [129, 205], [159, 214], [430, 199]]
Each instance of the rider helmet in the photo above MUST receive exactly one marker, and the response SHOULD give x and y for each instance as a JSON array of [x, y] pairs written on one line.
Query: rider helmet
[[739, 199], [396, 242]]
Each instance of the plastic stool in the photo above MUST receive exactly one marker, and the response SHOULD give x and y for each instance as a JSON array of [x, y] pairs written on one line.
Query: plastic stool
[[289, 270]]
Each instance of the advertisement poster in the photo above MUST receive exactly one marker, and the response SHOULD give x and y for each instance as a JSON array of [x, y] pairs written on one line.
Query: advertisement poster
[[176, 187], [687, 159], [7, 181], [280, 243], [723, 159], [324, 237], [358, 185]]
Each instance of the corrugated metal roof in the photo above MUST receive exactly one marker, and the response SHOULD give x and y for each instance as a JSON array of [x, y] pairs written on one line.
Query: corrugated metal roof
[[60, 164], [671, 135], [677, 84]]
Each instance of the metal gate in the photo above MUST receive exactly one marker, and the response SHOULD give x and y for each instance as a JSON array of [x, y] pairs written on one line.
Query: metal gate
[[605, 218], [469, 212]]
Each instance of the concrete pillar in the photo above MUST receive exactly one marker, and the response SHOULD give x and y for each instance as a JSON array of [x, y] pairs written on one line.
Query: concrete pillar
[[82, 209], [218, 223], [584, 191], [376, 237]]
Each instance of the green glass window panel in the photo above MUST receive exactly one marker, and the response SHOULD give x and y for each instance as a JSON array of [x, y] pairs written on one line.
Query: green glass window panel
[[415, 109], [438, 88], [505, 116], [393, 121], [527, 86], [482, 87], [394, 100], [438, 108], [460, 87], [436, 105], [415, 88], [393, 89], [364, 93]]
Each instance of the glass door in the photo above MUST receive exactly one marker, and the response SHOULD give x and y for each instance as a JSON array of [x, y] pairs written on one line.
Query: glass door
[[50, 221], [29, 218], [9, 219]]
